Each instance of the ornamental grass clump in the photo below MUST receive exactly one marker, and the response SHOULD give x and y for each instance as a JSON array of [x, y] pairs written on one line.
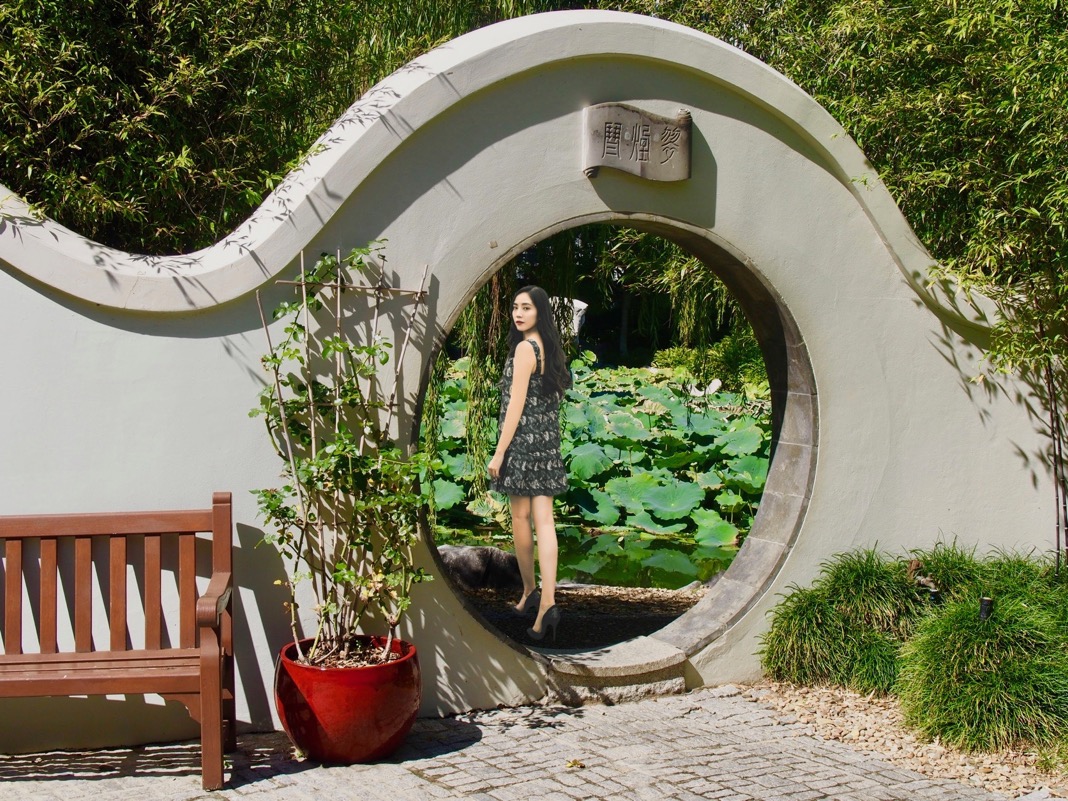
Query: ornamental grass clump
[[806, 641], [847, 628], [871, 591], [954, 571], [982, 685]]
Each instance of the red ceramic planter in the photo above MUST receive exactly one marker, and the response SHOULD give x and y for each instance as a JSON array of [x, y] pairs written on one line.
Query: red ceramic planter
[[348, 715]]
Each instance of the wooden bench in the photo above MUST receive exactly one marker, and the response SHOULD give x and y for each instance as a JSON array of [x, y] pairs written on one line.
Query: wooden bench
[[47, 553]]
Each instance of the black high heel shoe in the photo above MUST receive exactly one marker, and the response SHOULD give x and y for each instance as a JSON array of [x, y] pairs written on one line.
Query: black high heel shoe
[[529, 605], [551, 619]]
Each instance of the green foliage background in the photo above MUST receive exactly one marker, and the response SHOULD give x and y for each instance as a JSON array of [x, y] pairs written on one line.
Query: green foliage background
[[663, 486], [158, 126]]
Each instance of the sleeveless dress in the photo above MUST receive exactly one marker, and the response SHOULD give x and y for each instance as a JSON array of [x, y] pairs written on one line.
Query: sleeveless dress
[[532, 463]]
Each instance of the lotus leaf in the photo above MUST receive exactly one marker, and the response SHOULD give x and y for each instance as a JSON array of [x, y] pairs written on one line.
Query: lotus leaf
[[652, 408], [720, 552], [447, 494], [741, 438], [707, 423], [676, 452], [713, 530], [453, 424], [671, 561], [674, 500], [596, 506], [591, 565], [643, 521], [708, 481], [629, 491], [749, 473], [622, 456], [574, 416], [455, 465], [588, 460], [625, 426], [730, 501], [607, 544]]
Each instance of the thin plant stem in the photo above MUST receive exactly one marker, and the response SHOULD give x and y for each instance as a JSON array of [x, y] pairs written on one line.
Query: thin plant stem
[[302, 505]]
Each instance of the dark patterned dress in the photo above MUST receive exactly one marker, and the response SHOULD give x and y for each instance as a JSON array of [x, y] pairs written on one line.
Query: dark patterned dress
[[532, 464]]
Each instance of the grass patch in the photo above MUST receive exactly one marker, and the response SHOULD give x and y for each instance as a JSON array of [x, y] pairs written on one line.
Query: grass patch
[[806, 643], [977, 685], [870, 591], [986, 684]]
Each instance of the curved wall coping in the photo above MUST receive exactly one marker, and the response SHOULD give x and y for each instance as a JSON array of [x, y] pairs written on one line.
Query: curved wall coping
[[271, 238]]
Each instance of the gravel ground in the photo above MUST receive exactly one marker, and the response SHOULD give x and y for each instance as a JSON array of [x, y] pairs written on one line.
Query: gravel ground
[[874, 725]]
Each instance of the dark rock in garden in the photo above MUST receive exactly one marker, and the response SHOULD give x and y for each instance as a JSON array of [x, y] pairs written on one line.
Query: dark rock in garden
[[479, 567]]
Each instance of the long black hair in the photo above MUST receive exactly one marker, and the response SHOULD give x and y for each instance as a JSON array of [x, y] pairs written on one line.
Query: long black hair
[[557, 377]]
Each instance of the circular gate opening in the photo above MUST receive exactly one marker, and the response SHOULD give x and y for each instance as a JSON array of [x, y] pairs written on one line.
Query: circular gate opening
[[485, 575]]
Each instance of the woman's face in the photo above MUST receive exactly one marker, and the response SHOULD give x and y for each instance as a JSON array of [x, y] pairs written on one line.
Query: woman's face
[[524, 313]]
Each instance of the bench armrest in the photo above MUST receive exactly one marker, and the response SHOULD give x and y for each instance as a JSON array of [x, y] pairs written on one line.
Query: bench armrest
[[211, 604]]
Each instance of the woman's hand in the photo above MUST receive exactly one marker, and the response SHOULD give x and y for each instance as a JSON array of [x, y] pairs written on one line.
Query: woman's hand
[[494, 468]]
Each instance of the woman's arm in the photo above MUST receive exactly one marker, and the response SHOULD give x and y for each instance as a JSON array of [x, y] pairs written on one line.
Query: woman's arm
[[522, 368]]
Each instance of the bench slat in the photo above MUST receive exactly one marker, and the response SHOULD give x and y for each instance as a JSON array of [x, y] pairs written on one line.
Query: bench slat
[[83, 594], [117, 611], [187, 589], [13, 597], [49, 595], [153, 591], [165, 522]]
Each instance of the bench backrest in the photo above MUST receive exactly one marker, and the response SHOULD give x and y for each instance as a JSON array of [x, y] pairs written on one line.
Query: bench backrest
[[113, 533]]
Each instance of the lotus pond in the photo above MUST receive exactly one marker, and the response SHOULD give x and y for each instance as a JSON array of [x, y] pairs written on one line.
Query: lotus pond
[[664, 483]]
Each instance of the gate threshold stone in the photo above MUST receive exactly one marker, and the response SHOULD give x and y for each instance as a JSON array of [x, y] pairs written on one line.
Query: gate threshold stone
[[629, 670]]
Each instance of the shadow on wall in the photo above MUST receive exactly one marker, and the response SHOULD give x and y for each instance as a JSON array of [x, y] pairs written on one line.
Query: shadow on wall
[[457, 658], [964, 336]]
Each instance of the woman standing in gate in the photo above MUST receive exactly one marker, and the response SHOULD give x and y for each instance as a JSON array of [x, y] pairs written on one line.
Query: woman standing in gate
[[527, 465]]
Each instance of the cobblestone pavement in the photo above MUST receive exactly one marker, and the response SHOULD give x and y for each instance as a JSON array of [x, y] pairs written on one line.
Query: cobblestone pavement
[[708, 744]]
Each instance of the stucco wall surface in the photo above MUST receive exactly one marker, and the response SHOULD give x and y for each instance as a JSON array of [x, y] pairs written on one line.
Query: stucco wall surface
[[129, 378]]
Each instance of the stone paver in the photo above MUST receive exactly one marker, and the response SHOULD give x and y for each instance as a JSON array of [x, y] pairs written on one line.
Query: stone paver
[[708, 744]]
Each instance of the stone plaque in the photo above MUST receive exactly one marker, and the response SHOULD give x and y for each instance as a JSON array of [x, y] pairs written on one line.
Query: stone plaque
[[635, 141]]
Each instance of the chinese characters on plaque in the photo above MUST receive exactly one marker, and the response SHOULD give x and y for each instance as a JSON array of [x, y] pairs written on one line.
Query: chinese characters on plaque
[[635, 141]]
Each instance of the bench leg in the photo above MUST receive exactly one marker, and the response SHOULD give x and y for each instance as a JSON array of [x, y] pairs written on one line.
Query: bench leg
[[229, 709], [211, 711]]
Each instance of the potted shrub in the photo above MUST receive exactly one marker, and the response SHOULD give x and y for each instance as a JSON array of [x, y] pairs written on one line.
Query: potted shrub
[[347, 514]]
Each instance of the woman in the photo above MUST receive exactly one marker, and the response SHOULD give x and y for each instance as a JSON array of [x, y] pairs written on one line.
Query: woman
[[527, 465]]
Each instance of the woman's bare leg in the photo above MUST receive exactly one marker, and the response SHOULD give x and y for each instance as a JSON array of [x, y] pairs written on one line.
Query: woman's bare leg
[[542, 509], [523, 539]]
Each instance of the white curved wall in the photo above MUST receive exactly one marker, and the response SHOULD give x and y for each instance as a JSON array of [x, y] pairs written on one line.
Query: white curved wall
[[129, 378]]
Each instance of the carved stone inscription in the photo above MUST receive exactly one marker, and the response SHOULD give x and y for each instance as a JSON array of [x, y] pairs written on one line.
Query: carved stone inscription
[[635, 141]]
